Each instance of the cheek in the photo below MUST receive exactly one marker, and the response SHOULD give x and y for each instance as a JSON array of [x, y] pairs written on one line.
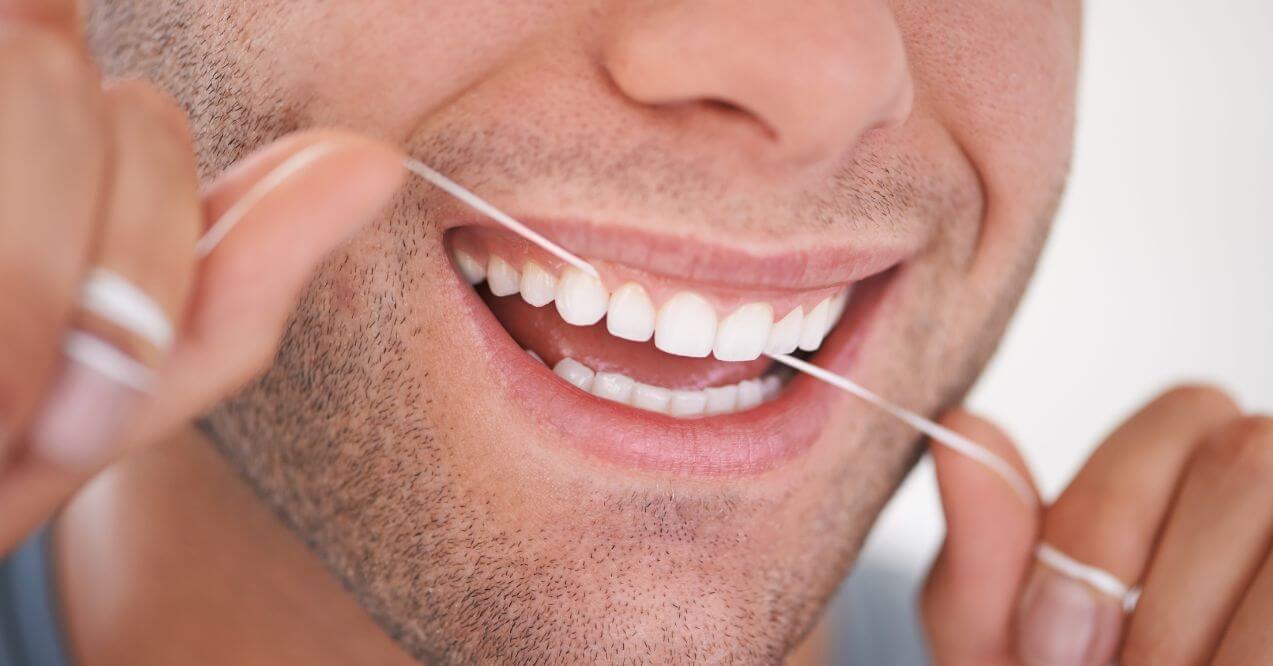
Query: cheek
[[1002, 74], [384, 65], [1001, 78]]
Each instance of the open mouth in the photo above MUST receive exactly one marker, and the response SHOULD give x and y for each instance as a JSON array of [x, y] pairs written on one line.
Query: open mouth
[[662, 371]]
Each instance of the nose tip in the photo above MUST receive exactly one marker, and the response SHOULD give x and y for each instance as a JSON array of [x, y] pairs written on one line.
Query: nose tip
[[814, 75], [846, 89]]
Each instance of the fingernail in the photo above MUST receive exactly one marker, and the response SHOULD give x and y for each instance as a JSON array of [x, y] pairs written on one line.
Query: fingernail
[[82, 417], [1064, 622]]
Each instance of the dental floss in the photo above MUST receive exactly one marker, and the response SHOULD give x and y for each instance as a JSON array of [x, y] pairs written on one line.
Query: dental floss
[[231, 218], [1099, 579], [945, 436], [459, 192]]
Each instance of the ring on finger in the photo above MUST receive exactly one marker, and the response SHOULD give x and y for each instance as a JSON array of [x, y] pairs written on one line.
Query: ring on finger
[[119, 330]]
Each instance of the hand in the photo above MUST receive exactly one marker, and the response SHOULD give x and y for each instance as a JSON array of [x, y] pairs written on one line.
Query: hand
[[95, 178], [1178, 500]]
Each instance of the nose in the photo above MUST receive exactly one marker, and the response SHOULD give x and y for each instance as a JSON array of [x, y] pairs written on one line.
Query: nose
[[814, 75]]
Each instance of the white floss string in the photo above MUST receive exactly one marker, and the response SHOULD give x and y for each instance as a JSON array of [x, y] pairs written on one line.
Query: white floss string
[[231, 218], [480, 205], [1097, 578], [1100, 580], [945, 436]]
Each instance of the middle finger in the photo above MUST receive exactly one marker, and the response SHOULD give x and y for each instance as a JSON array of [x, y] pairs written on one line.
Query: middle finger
[[1109, 517], [143, 262], [1214, 541]]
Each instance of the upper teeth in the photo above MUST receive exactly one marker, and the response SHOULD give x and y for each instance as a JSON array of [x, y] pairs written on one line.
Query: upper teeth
[[581, 300], [538, 286], [744, 335], [631, 314], [685, 325]]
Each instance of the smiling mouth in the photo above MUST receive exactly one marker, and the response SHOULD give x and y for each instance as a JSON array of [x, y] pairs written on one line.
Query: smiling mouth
[[663, 371]]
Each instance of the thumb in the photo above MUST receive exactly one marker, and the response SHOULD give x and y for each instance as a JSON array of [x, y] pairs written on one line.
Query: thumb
[[291, 204], [273, 218], [969, 599]]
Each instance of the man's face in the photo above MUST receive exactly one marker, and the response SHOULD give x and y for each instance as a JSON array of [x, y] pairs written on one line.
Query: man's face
[[767, 154]]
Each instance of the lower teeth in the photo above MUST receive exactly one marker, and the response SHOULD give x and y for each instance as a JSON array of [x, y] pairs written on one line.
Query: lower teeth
[[713, 401]]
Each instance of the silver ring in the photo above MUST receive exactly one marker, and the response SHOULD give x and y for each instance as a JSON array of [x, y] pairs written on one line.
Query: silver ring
[[112, 297]]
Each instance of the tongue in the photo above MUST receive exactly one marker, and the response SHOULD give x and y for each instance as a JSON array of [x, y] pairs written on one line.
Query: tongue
[[542, 331]]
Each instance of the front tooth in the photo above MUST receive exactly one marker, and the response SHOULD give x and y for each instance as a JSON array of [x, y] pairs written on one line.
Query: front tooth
[[742, 336], [686, 326], [575, 372], [651, 398], [502, 278], [581, 299], [631, 314], [687, 404], [785, 335], [721, 399], [539, 287], [613, 386], [750, 394], [470, 268], [815, 326]]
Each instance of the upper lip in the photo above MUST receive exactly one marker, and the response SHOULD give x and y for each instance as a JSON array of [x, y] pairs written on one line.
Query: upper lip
[[746, 442], [738, 263]]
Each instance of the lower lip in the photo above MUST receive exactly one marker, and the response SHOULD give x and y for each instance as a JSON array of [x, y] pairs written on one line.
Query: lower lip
[[741, 444]]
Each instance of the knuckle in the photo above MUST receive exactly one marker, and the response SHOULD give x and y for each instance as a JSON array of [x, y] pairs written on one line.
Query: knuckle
[[1243, 447], [1092, 526], [1257, 429], [1198, 399]]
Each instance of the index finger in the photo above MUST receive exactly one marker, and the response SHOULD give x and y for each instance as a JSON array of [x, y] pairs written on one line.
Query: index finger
[[1106, 524], [1109, 516]]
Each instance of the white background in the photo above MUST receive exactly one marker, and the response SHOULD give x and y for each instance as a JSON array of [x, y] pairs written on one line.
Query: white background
[[1160, 268]]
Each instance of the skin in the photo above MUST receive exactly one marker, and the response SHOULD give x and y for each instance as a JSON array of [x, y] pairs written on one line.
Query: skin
[[409, 492]]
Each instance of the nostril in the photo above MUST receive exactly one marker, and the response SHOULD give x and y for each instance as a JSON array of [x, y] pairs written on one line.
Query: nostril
[[726, 108], [812, 77], [723, 105]]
